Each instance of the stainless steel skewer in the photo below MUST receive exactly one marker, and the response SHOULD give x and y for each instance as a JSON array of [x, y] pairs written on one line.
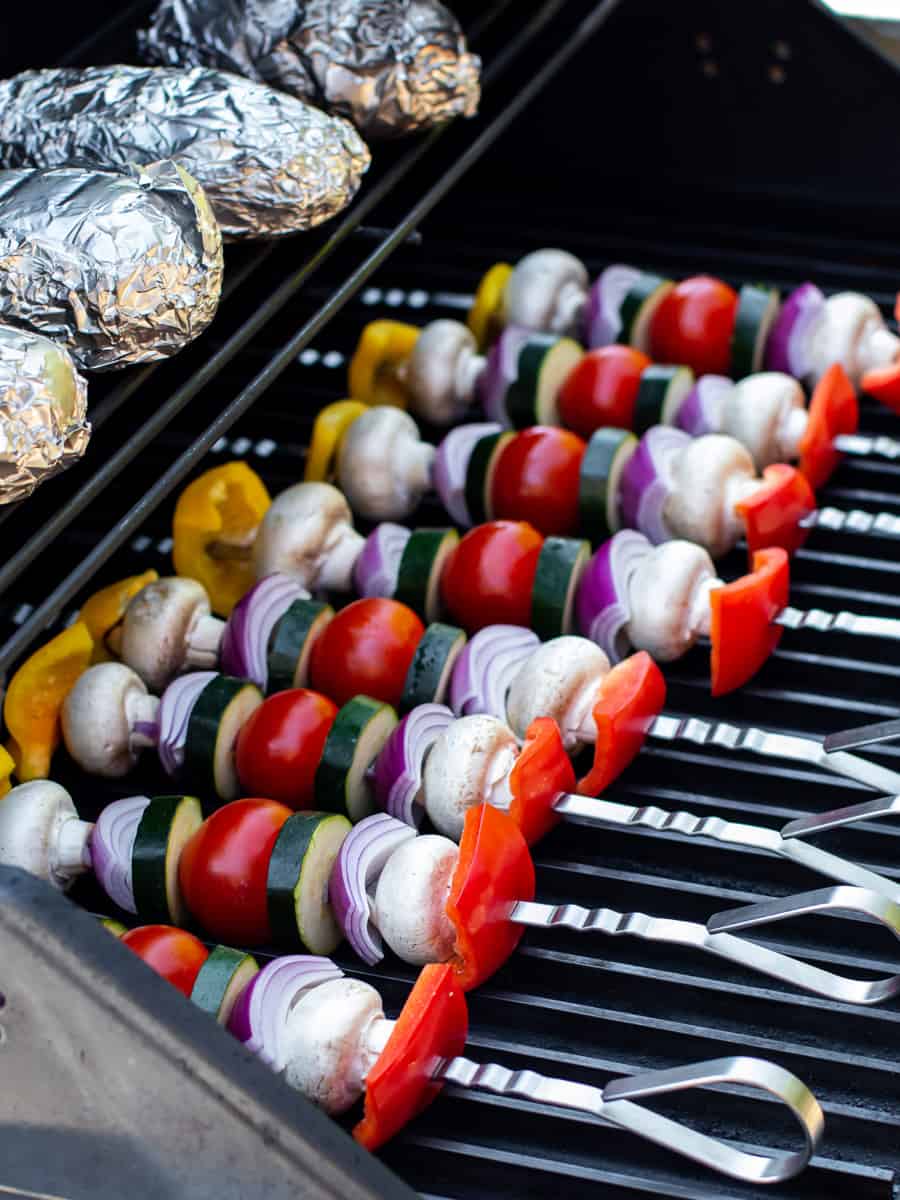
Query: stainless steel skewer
[[840, 622], [853, 520]]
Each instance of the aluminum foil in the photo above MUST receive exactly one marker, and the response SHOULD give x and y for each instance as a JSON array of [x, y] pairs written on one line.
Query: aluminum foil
[[118, 268], [270, 164], [391, 66], [43, 401]]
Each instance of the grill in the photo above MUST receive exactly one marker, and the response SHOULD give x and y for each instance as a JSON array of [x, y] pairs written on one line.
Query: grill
[[631, 133]]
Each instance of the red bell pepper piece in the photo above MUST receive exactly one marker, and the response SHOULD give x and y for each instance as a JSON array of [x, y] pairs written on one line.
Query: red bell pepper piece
[[539, 774], [772, 514], [630, 696], [741, 630], [493, 871], [883, 385], [833, 410], [432, 1026]]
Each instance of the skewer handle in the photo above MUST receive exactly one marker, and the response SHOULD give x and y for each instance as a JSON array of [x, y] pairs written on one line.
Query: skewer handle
[[853, 520], [868, 810], [842, 622], [860, 445]]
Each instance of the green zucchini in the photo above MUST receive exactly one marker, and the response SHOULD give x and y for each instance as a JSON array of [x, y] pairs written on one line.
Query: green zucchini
[[429, 672], [291, 644], [639, 307], [297, 885], [480, 475], [421, 566], [756, 313], [543, 365], [605, 458], [167, 824], [661, 393], [220, 711], [559, 569], [221, 980], [116, 928], [354, 742]]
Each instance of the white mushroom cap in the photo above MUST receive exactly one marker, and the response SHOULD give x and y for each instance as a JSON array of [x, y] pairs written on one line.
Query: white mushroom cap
[[853, 333], [384, 467], [442, 372], [762, 413], [708, 477], [547, 290], [559, 680], [308, 533], [98, 717], [326, 1042], [410, 908], [40, 832], [163, 624], [668, 597], [471, 758]]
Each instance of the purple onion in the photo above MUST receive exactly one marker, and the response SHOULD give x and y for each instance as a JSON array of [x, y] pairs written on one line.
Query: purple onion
[[376, 569], [701, 409], [175, 707], [788, 347], [486, 667], [602, 316], [112, 844], [398, 768], [501, 370], [260, 1013], [245, 643], [451, 465], [601, 603], [646, 482], [360, 861]]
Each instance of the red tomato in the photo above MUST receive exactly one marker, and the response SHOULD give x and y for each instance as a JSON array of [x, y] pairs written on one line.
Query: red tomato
[[224, 870], [694, 324], [366, 651], [172, 953], [602, 389], [489, 576], [279, 748], [536, 479]]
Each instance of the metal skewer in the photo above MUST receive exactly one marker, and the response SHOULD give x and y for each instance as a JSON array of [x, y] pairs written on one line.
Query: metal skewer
[[853, 520]]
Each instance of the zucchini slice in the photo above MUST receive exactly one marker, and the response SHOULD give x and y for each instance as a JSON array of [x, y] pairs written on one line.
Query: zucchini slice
[[354, 742], [297, 885], [221, 709], [757, 311], [542, 367], [559, 569], [604, 460], [166, 826], [428, 677], [639, 307], [661, 393], [221, 980], [480, 474], [421, 566], [116, 928], [291, 644]]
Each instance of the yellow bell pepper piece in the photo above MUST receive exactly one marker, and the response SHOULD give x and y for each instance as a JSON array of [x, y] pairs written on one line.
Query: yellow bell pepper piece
[[215, 522], [485, 317], [383, 347], [7, 766], [103, 611], [328, 431], [35, 696]]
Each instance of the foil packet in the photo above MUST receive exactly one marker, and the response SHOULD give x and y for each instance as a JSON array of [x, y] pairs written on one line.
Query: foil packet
[[391, 66], [269, 164], [118, 268], [43, 402]]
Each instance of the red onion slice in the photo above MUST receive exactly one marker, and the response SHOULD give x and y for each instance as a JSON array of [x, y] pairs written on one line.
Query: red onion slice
[[360, 861], [701, 409], [376, 569], [245, 643], [175, 708], [398, 768], [112, 844], [260, 1014], [451, 465], [602, 601], [501, 370], [789, 345], [602, 317], [646, 482], [486, 667]]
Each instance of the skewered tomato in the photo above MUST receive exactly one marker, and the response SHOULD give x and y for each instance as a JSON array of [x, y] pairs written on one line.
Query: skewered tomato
[[279, 748], [172, 953], [602, 389], [693, 325], [489, 576], [224, 869], [537, 477], [366, 650]]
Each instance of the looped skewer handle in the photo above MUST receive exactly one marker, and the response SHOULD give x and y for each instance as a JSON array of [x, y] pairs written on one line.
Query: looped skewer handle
[[614, 1103]]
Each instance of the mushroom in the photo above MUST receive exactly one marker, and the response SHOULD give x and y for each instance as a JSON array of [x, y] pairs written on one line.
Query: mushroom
[[852, 332], [410, 908], [384, 467], [709, 477], [108, 718], [41, 832], [442, 372], [326, 1042], [668, 599], [308, 533], [766, 413], [559, 680], [168, 629], [547, 290], [467, 765]]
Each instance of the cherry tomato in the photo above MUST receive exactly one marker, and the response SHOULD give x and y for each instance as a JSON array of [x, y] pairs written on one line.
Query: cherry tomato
[[224, 870], [602, 389], [172, 953], [279, 748], [366, 651], [489, 576], [694, 324], [536, 479]]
